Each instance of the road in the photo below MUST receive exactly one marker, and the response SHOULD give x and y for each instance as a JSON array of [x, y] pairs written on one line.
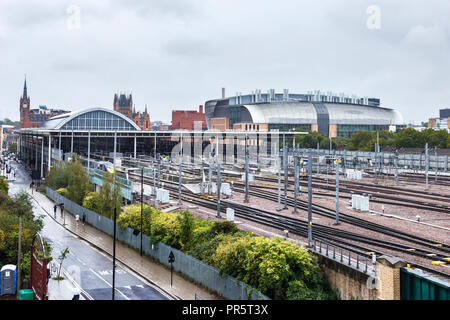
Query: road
[[88, 267]]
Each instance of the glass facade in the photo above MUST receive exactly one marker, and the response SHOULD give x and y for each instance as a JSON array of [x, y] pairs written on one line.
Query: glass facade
[[346, 130], [287, 127], [98, 120], [235, 115]]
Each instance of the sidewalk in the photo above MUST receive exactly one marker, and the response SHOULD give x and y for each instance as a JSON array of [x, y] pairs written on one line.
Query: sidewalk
[[61, 290], [143, 265]]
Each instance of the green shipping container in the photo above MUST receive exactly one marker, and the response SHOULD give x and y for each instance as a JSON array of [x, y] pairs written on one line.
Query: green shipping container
[[26, 294]]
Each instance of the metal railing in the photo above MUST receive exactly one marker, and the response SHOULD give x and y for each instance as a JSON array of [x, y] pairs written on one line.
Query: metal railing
[[344, 256]]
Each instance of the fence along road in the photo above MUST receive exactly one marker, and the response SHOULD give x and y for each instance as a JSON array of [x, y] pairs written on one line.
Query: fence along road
[[195, 269]]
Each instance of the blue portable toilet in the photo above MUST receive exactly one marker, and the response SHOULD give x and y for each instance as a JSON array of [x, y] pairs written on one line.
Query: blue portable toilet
[[8, 279]]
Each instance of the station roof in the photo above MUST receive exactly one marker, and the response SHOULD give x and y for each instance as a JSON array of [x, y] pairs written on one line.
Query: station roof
[[305, 112], [91, 119]]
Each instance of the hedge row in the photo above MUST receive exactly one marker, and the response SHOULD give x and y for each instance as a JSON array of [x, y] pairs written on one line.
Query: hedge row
[[280, 269]]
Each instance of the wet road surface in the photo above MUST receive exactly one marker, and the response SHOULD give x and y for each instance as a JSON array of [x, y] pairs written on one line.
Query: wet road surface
[[88, 267]]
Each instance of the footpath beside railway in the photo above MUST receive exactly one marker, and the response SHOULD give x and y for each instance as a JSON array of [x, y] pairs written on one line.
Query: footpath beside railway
[[160, 275]]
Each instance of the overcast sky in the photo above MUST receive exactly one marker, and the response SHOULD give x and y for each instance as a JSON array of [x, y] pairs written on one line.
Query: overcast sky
[[176, 54]]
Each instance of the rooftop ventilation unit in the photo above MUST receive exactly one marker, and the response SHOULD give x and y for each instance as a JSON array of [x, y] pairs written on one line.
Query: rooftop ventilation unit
[[272, 94], [285, 94], [258, 95], [366, 101]]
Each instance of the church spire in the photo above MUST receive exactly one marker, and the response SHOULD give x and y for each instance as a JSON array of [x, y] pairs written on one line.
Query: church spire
[[145, 108], [25, 95]]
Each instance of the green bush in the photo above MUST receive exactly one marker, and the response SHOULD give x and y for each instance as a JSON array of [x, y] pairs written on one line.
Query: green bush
[[71, 176], [41, 188], [270, 265], [62, 191], [58, 176], [131, 217], [187, 224], [10, 209], [165, 227], [224, 227], [4, 185], [277, 268], [205, 250], [93, 202]]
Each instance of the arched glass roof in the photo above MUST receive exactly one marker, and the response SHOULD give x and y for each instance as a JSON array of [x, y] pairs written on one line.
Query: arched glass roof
[[91, 119]]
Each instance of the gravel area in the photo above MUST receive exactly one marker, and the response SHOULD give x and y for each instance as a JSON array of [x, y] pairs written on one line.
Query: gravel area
[[400, 223]]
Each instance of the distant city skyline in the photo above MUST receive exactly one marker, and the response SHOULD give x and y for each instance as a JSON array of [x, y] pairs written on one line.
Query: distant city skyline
[[179, 54]]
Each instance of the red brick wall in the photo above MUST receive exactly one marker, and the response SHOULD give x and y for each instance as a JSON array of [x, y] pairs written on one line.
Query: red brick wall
[[146, 125], [184, 119], [220, 123]]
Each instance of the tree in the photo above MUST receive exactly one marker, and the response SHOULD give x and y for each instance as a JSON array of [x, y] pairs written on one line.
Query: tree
[[110, 195], [186, 220], [93, 202], [4, 185], [311, 139], [437, 138], [12, 147], [61, 258], [58, 176], [361, 140], [409, 138], [341, 142], [10, 209], [78, 181]]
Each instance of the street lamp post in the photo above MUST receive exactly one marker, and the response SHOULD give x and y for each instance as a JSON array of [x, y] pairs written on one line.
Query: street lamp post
[[114, 254], [337, 193], [286, 177], [309, 199], [142, 202], [219, 185], [437, 163], [246, 171], [179, 180]]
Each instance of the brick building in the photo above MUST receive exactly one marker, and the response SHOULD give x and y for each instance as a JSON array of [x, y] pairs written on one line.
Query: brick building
[[188, 119], [220, 124], [34, 118], [124, 105], [142, 119]]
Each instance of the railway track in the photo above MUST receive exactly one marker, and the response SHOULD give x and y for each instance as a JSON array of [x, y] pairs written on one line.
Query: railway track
[[375, 197], [380, 198], [325, 212], [349, 240]]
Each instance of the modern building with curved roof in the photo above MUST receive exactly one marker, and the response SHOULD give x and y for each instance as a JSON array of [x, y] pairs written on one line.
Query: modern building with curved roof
[[330, 114], [91, 119]]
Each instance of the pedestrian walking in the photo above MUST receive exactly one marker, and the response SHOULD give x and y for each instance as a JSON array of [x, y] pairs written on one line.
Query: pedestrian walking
[[62, 209], [54, 210], [31, 186], [77, 218], [83, 218], [48, 272], [76, 293]]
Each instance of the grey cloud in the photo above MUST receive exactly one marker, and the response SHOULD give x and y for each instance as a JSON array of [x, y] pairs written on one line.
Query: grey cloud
[[179, 53]]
